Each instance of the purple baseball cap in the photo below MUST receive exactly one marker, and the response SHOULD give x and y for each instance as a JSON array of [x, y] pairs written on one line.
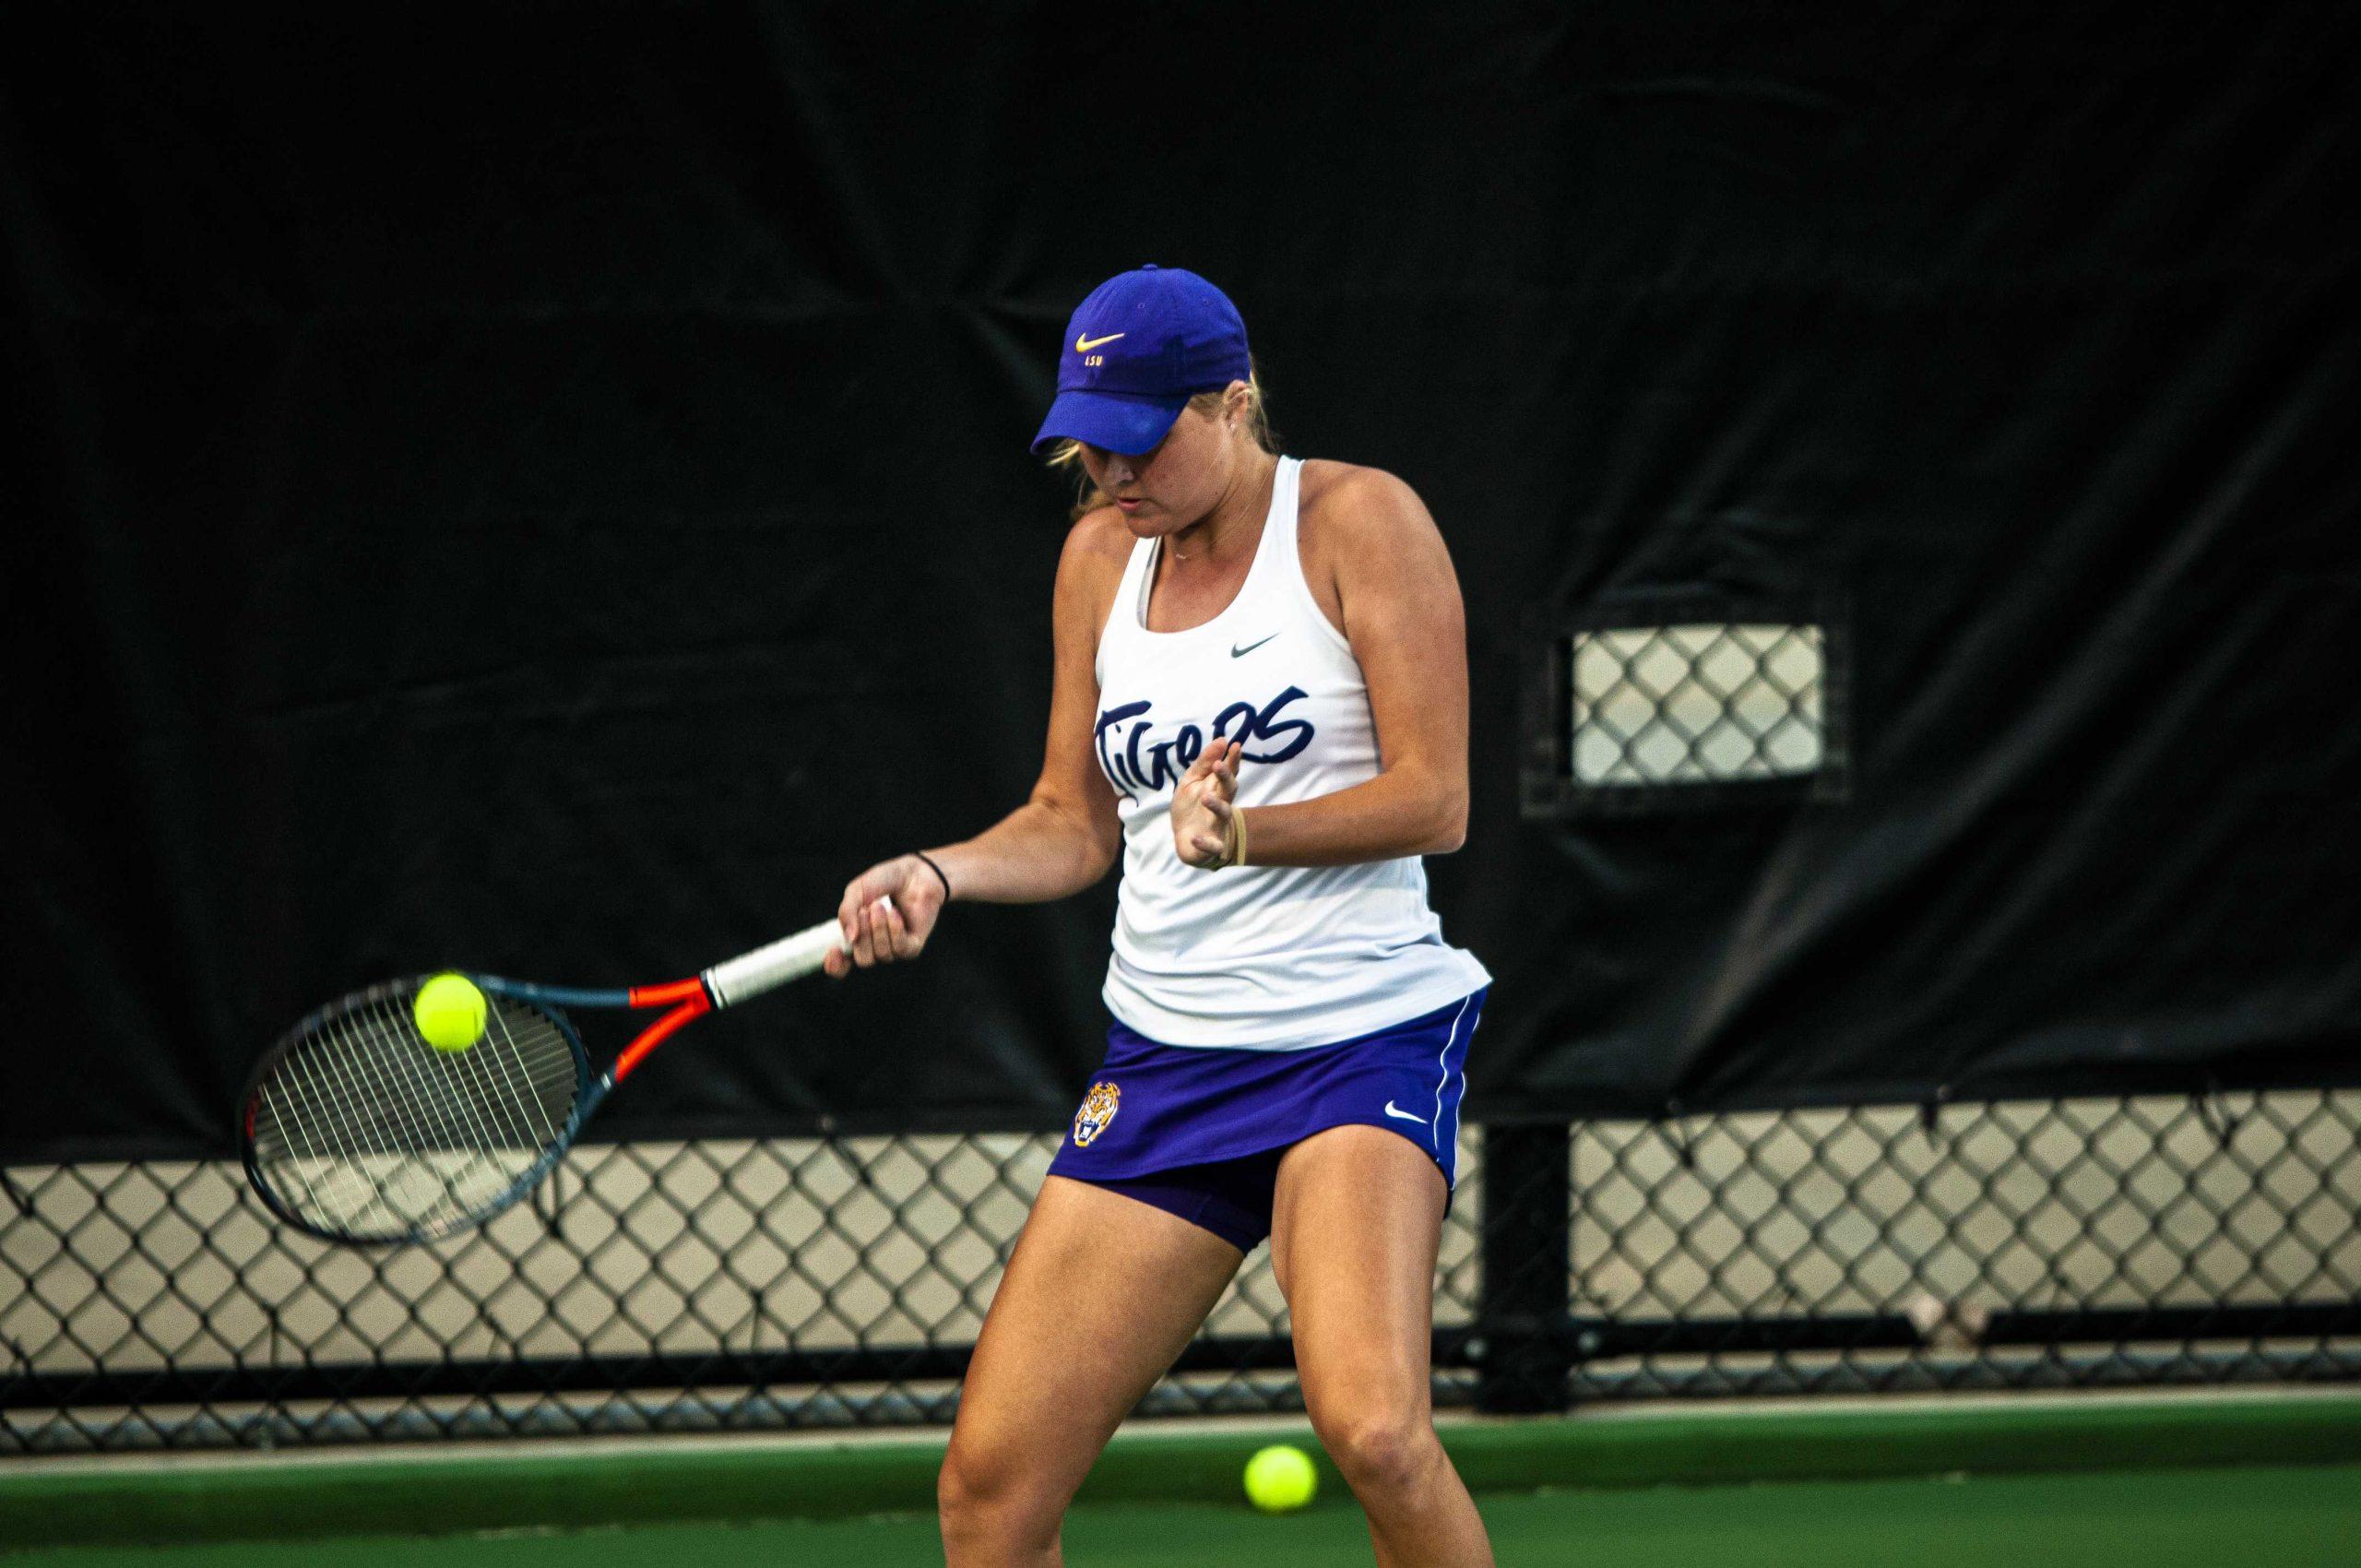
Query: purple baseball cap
[[1137, 350]]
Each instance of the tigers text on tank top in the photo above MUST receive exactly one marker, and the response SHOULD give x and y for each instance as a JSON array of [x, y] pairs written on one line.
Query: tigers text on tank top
[[1272, 958]]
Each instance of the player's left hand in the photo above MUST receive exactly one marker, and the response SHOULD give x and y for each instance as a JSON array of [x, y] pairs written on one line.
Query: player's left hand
[[1203, 804]]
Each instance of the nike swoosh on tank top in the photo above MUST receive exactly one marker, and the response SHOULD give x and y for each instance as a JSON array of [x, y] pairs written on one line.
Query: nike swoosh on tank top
[[1272, 957]]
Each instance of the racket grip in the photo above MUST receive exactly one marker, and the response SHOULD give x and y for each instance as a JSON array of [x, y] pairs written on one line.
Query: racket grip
[[767, 968]]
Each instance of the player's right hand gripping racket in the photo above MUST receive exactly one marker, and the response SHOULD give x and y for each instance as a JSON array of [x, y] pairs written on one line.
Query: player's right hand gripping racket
[[355, 1129]]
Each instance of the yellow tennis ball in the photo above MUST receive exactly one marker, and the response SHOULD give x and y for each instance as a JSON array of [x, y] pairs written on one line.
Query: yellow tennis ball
[[1280, 1478], [450, 1012]]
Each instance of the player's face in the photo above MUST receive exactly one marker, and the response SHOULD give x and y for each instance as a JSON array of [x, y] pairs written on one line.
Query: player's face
[[1174, 483]]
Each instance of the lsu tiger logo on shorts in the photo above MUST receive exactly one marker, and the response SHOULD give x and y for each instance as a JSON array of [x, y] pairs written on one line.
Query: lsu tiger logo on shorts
[[1098, 1108]]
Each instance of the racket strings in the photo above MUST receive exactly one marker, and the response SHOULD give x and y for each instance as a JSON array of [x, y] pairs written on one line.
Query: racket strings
[[364, 1129]]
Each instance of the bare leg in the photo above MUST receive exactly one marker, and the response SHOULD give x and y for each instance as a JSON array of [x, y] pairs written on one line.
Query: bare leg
[[1101, 1295], [1358, 1219]]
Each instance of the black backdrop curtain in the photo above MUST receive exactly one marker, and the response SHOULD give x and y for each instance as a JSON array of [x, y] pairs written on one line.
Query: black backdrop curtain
[[545, 490]]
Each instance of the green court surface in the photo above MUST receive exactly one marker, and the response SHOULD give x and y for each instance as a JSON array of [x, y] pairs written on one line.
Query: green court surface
[[2149, 1519], [2227, 1480]]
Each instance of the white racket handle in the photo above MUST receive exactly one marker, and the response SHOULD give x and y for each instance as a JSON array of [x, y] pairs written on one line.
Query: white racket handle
[[770, 967]]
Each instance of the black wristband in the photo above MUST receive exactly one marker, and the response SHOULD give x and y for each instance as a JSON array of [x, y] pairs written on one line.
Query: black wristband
[[929, 862]]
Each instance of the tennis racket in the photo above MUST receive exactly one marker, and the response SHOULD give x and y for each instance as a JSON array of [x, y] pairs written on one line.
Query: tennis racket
[[355, 1129]]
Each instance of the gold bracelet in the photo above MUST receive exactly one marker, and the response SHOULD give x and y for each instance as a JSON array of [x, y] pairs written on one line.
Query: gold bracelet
[[1236, 856]]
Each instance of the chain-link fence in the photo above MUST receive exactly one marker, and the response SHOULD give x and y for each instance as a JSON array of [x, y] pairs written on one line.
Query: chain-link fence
[[801, 1283], [1696, 704], [1689, 712]]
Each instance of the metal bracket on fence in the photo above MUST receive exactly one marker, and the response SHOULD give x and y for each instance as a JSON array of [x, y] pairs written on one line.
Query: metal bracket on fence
[[2212, 1108], [832, 1138], [1930, 1113], [754, 1324], [1677, 1131], [545, 1198]]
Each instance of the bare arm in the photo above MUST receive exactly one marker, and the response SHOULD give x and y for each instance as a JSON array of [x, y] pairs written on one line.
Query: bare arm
[[1402, 614], [1065, 836]]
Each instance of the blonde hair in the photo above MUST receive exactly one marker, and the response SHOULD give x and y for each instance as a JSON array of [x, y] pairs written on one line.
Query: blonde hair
[[1089, 497]]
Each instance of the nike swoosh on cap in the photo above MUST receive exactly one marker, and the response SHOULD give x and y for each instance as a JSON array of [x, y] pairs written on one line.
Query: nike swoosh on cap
[[1238, 652], [1083, 345]]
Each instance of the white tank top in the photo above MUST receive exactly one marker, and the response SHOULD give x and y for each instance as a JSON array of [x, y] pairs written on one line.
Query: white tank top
[[1273, 957]]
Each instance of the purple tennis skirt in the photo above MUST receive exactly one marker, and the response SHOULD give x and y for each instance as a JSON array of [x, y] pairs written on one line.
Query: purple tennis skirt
[[1198, 1130]]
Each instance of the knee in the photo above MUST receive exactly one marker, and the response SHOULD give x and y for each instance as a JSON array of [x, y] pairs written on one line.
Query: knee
[[985, 1495], [1380, 1451]]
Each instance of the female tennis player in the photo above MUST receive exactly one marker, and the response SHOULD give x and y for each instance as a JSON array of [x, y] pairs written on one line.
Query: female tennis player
[[1260, 701]]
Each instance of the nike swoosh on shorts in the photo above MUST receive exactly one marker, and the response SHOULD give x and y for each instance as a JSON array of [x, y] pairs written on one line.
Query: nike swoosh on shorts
[[1392, 1110]]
